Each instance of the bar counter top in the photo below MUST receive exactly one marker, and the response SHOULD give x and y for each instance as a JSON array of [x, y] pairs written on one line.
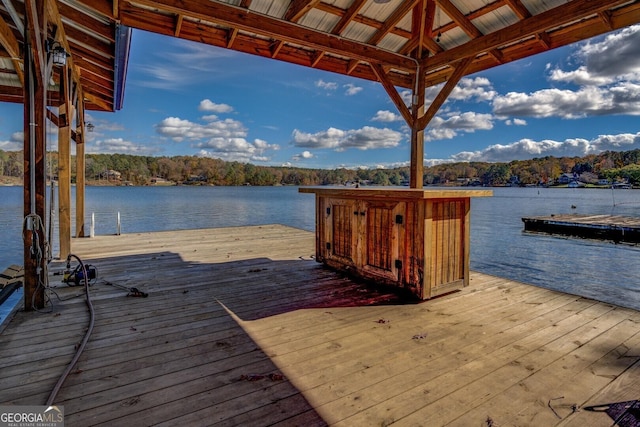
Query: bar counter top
[[396, 193]]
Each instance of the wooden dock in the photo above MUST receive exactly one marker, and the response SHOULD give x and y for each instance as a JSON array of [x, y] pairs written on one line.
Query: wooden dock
[[619, 229], [242, 327]]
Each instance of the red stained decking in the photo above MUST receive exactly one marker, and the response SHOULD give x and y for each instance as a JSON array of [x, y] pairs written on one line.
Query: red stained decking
[[242, 327]]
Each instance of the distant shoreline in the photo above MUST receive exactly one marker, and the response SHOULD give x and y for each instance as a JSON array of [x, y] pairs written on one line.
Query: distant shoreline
[[11, 181]]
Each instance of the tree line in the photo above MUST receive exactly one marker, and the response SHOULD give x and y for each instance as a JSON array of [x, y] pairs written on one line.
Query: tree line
[[141, 170]]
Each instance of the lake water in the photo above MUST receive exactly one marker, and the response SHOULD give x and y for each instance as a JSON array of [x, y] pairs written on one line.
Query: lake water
[[594, 269]]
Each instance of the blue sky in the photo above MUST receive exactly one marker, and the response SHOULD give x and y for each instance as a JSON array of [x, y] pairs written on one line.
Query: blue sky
[[184, 98]]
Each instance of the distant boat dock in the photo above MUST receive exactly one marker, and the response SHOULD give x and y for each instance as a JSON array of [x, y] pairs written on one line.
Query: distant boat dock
[[619, 229]]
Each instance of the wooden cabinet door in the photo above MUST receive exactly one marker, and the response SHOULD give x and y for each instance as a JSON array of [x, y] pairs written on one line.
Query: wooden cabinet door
[[364, 235], [381, 239], [341, 231]]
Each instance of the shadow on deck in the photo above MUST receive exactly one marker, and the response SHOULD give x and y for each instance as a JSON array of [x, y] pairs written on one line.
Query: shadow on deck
[[177, 356]]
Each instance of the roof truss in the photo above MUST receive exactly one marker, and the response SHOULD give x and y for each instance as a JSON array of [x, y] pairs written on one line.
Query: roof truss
[[395, 43]]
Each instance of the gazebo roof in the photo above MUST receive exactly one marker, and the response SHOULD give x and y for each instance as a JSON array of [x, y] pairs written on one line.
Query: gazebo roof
[[389, 41]]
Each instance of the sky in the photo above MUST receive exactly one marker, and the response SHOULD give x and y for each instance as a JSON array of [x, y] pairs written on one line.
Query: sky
[[185, 98]]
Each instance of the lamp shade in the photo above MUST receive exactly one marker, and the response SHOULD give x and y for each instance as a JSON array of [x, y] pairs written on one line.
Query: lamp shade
[[59, 56]]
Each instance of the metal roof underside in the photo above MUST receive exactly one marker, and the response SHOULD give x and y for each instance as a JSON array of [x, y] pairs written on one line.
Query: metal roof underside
[[385, 41]]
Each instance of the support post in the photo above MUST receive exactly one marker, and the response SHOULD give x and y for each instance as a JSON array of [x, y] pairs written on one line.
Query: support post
[[35, 257], [416, 178], [64, 164], [80, 169]]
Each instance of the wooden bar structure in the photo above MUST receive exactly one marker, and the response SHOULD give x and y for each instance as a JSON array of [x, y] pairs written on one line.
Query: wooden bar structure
[[619, 229], [242, 327], [415, 239]]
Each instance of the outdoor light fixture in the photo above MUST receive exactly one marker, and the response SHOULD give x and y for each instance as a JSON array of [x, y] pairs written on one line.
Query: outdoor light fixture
[[438, 25], [90, 127], [58, 54]]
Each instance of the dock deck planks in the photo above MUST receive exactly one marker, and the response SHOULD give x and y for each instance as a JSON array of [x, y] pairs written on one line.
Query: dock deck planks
[[242, 327]]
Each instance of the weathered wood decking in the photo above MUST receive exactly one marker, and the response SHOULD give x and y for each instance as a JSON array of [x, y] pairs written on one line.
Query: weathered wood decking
[[619, 229], [241, 327]]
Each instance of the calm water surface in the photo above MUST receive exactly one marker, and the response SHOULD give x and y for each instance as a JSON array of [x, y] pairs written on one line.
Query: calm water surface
[[599, 270]]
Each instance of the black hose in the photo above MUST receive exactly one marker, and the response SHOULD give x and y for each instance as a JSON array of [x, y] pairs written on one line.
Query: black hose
[[82, 345]]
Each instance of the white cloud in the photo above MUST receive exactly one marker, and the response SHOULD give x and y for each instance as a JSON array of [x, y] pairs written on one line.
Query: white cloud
[[528, 149], [623, 98], [352, 89], [387, 116], [211, 107], [10, 146], [613, 58], [515, 122], [326, 85], [580, 76], [236, 149], [451, 124], [366, 138], [607, 78], [476, 89], [15, 142], [121, 146], [303, 156], [220, 138], [179, 129]]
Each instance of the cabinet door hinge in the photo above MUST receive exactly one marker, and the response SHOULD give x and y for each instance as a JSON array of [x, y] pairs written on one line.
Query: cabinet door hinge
[[398, 264]]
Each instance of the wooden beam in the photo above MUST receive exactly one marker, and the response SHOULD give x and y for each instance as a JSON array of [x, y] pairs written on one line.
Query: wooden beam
[[606, 18], [518, 8], [276, 48], [298, 8], [458, 17], [420, 21], [315, 58], [97, 101], [80, 166], [64, 163], [571, 11], [459, 72], [393, 94], [35, 14], [102, 29], [392, 21], [466, 25], [277, 29], [233, 33], [10, 43], [352, 66], [416, 168], [178, 26], [53, 118], [35, 256], [346, 18]]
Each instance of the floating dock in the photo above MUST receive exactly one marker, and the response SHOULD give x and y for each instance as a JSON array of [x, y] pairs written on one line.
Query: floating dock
[[242, 327], [619, 229]]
